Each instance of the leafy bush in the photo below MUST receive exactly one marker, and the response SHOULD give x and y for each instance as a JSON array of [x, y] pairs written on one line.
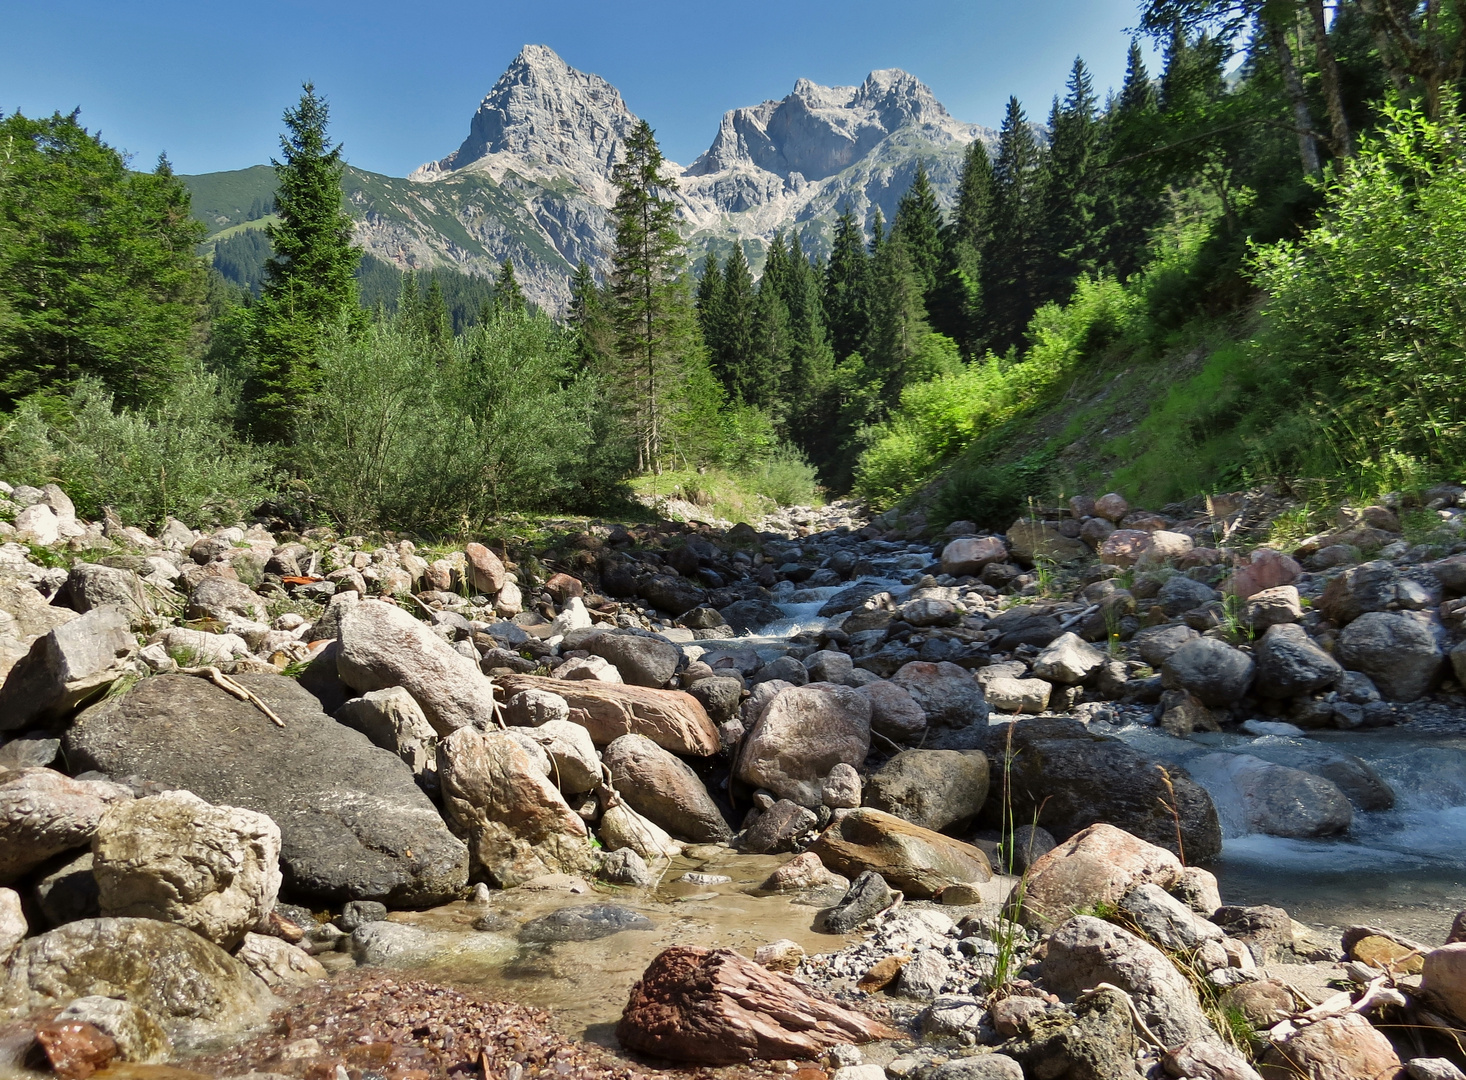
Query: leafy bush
[[788, 478], [993, 498], [179, 456], [1366, 330], [939, 418]]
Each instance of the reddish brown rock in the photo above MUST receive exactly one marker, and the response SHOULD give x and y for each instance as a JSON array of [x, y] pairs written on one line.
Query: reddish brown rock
[[562, 587], [1267, 570], [1340, 1048], [919, 862], [75, 1049], [1123, 547], [1097, 866], [485, 570], [717, 1007], [673, 720]]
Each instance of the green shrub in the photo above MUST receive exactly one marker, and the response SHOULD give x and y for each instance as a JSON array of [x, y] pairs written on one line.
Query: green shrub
[[787, 478], [179, 456]]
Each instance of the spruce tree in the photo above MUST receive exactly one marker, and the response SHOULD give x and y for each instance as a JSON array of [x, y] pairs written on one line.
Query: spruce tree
[[709, 304], [1068, 234], [811, 361], [760, 382], [595, 336], [898, 319], [309, 285], [918, 225], [508, 296], [735, 354], [846, 288], [1009, 269], [1130, 202], [656, 325], [957, 311]]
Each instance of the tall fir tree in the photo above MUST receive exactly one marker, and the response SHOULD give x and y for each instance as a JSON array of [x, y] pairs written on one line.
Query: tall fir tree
[[735, 355], [761, 383], [436, 322], [709, 303], [847, 288], [918, 225], [309, 285], [1069, 237], [1131, 199], [811, 360], [1009, 263], [898, 319], [957, 311], [508, 296], [595, 334], [656, 325]]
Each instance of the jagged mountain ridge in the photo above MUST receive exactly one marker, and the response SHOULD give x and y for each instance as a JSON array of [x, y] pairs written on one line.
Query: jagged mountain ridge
[[532, 179]]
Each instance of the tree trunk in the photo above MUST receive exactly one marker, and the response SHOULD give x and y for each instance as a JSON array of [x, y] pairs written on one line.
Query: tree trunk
[[1297, 99], [1328, 72]]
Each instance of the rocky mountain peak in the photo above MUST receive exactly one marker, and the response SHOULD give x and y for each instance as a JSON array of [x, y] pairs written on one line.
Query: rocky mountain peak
[[818, 131], [544, 120]]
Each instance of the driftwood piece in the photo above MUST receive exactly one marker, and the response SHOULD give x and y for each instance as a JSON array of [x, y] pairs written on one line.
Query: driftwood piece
[[717, 1007]]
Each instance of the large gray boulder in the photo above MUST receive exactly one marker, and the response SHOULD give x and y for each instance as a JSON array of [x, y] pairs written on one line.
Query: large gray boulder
[[393, 720], [1214, 671], [91, 585], [353, 823], [1397, 649], [1071, 778], [226, 600], [642, 661], [947, 694], [663, 788], [1085, 952], [1290, 664], [193, 987], [175, 858], [804, 732], [44, 813], [931, 788], [1278, 800], [66, 668], [382, 646]]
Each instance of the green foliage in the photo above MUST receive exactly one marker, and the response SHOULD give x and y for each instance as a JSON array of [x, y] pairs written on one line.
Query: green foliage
[[1365, 320], [787, 478], [403, 437], [310, 282], [98, 275], [178, 456]]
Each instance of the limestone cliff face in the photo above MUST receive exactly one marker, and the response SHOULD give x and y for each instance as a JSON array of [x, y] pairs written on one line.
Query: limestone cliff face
[[532, 180]]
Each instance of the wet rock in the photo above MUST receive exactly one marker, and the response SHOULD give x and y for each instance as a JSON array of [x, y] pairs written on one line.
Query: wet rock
[[382, 645], [894, 713], [75, 1049], [777, 828], [1214, 671], [175, 858], [353, 822], [1289, 664], [642, 661], [65, 668], [803, 733], [588, 923], [750, 616], [360, 912], [69, 892], [1085, 952], [804, 872], [969, 554], [948, 695], [1339, 1048], [673, 720], [664, 789], [138, 1037], [1395, 649], [1067, 659], [1070, 778], [1277, 800], [624, 867], [13, 927], [193, 987], [919, 862], [622, 827], [1098, 866], [279, 964], [935, 789], [674, 595], [518, 824], [867, 897], [720, 1008]]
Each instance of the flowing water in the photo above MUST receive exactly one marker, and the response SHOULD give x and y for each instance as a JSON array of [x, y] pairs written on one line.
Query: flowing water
[[1403, 868]]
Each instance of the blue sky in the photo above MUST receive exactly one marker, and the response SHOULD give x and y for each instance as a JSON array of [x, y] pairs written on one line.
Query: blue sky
[[207, 82]]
